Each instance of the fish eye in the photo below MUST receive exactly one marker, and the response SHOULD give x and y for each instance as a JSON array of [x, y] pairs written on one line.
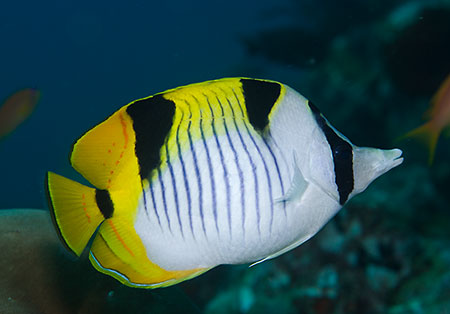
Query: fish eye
[[343, 152]]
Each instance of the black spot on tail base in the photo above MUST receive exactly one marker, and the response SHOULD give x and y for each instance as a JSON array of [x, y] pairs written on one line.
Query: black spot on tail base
[[104, 203], [152, 119], [342, 156], [260, 96]]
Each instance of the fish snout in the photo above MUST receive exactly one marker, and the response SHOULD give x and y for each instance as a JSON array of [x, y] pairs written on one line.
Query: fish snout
[[370, 163]]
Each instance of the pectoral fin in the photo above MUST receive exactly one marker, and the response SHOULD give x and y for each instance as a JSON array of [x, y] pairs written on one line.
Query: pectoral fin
[[297, 188]]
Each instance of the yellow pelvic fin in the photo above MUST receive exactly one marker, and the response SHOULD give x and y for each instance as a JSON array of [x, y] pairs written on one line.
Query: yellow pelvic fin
[[74, 210], [105, 155], [117, 251]]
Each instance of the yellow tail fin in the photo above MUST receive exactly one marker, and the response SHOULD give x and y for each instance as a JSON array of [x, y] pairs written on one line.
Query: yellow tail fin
[[74, 211]]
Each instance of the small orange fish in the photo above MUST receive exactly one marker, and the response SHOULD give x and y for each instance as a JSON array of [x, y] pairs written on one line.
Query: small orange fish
[[439, 119], [16, 109]]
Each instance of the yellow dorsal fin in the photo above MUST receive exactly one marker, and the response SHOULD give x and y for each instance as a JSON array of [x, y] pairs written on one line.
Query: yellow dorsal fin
[[239, 100], [209, 100], [201, 109], [105, 155]]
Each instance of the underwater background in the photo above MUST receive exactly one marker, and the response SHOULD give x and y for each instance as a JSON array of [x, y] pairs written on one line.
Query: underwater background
[[372, 68]]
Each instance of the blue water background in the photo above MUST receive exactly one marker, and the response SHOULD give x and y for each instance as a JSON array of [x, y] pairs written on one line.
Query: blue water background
[[89, 58]]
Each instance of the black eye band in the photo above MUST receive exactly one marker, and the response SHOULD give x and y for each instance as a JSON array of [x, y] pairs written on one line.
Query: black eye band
[[342, 156]]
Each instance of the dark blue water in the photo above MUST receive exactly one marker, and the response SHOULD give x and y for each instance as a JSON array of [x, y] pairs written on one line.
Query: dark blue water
[[89, 59]]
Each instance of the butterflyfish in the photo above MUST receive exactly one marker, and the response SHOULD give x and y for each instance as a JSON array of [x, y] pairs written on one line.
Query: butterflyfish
[[228, 171], [16, 109], [439, 120]]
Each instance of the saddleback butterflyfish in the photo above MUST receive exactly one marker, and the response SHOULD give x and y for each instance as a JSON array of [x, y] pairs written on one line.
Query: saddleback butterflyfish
[[228, 171]]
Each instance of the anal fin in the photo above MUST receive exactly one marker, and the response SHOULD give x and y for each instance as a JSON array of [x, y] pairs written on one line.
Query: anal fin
[[106, 261], [118, 251]]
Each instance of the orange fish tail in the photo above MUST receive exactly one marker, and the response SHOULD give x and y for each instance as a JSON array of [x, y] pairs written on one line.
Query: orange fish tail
[[428, 134]]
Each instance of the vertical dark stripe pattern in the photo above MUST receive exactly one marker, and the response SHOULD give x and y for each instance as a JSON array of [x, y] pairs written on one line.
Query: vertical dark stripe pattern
[[270, 183], [258, 214], [342, 156], [222, 159], [152, 195], [211, 171], [164, 200], [146, 206], [275, 144], [174, 187], [257, 205], [252, 163], [228, 194], [277, 168], [235, 155], [185, 178], [197, 171]]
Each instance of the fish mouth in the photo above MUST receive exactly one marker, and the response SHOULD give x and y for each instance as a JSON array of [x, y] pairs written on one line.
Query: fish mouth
[[370, 163], [397, 157], [391, 159]]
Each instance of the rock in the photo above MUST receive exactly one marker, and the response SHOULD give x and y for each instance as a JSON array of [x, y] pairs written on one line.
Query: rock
[[39, 276], [28, 245]]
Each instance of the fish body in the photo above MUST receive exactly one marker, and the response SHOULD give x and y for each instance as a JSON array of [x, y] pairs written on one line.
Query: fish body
[[439, 119], [229, 171], [16, 109]]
